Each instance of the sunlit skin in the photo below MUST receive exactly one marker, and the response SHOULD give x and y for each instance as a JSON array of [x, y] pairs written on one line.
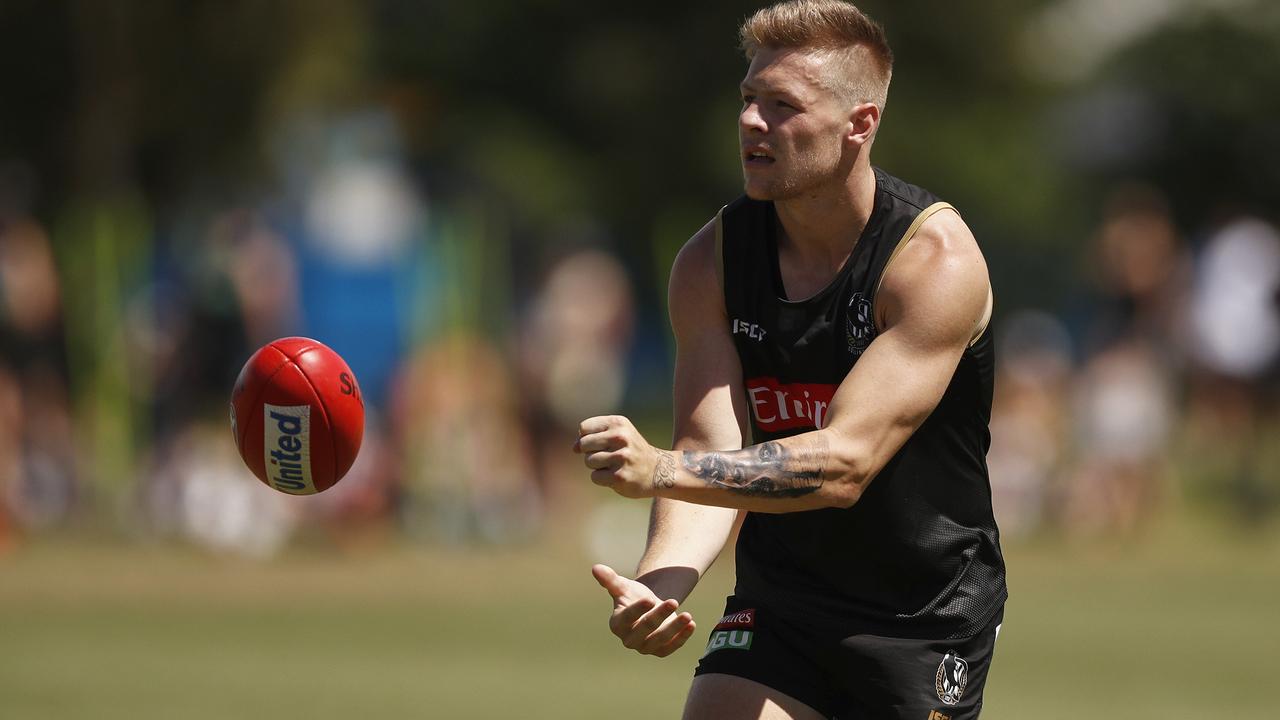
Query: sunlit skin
[[795, 122], [807, 148]]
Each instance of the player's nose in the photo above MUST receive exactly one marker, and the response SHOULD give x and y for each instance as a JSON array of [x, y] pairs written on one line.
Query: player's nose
[[750, 120]]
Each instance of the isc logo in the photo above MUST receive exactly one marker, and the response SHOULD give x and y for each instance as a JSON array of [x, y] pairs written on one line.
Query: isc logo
[[286, 444], [751, 330]]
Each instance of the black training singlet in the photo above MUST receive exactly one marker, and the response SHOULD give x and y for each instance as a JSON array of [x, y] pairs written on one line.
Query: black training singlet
[[918, 555]]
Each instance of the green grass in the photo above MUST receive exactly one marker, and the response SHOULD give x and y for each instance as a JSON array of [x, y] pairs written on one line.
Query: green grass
[[1182, 625]]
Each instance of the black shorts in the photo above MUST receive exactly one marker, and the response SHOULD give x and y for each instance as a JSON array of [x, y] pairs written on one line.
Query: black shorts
[[859, 677]]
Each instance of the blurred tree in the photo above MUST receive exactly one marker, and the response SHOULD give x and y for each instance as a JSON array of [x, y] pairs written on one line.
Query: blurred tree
[[1203, 91]]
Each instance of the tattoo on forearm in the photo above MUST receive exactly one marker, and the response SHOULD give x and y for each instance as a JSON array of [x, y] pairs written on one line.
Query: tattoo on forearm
[[767, 470], [664, 473]]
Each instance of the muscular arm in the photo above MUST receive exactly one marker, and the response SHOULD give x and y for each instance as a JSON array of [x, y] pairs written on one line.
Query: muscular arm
[[685, 538], [934, 299]]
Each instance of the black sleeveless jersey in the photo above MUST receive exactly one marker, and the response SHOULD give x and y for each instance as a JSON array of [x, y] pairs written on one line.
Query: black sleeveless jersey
[[918, 555]]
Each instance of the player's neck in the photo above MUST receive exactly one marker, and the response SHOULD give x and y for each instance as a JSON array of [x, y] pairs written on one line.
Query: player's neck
[[823, 226]]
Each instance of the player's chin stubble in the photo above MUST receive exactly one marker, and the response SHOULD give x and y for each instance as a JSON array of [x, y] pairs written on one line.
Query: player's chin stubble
[[798, 178]]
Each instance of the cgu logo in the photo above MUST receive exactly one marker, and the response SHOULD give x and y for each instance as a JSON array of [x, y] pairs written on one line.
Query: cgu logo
[[785, 406], [286, 447], [729, 639]]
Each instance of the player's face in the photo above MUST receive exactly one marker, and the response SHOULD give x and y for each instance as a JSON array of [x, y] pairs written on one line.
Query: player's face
[[792, 127]]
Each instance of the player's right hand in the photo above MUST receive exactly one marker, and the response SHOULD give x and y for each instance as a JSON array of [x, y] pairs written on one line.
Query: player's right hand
[[641, 620]]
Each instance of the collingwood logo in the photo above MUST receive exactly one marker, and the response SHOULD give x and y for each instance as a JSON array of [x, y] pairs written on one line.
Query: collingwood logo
[[286, 447], [953, 675], [859, 324]]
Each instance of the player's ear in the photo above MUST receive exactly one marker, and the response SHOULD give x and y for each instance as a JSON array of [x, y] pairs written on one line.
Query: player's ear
[[864, 118]]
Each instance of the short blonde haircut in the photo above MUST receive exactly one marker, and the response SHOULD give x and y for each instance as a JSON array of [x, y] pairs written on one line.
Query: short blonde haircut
[[833, 27]]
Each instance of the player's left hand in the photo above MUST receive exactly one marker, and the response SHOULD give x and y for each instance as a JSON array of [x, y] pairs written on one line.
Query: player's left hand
[[618, 456]]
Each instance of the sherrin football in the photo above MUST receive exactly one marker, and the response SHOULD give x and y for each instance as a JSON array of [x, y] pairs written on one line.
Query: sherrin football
[[297, 416]]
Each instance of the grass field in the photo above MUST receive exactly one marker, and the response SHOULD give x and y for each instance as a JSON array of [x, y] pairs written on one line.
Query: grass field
[[1184, 624]]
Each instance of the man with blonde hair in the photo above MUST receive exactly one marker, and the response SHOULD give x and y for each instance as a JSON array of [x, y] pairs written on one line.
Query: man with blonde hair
[[833, 388]]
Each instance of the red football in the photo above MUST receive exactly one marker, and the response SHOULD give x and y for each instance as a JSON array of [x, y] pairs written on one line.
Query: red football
[[297, 416]]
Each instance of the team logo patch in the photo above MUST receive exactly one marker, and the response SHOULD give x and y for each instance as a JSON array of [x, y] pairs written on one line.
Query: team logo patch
[[953, 675], [286, 447], [859, 324]]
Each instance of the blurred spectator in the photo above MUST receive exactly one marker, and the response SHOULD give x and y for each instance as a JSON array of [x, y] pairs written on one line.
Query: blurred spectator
[[1236, 343], [188, 332], [574, 342], [1143, 271], [39, 481], [1124, 416], [463, 451], [359, 512], [11, 431], [187, 326], [31, 289], [264, 273], [1124, 400], [219, 505], [1237, 326], [1029, 418]]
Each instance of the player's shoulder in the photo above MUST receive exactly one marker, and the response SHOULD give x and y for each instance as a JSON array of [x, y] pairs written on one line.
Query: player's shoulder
[[700, 259], [944, 234], [941, 265], [706, 250], [698, 254], [696, 274]]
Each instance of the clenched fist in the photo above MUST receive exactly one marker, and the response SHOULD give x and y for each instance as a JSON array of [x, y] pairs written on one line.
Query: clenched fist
[[620, 458]]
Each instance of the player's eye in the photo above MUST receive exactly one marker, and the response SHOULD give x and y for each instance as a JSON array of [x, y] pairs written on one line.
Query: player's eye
[[786, 105], [748, 99]]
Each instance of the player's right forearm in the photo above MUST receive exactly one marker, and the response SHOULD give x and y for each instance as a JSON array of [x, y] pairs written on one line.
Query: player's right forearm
[[684, 540]]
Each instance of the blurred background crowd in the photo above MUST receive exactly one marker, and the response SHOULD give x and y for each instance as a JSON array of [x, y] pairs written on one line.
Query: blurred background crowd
[[477, 204]]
